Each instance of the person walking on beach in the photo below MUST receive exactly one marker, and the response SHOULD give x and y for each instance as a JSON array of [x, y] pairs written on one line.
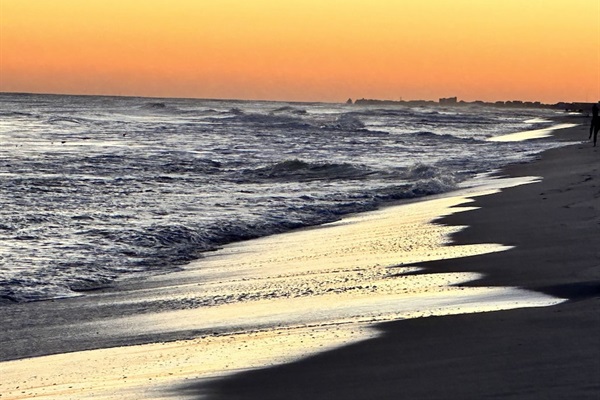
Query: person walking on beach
[[595, 125]]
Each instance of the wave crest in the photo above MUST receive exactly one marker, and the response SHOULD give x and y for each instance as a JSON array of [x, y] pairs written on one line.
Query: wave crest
[[345, 122], [446, 137], [298, 170]]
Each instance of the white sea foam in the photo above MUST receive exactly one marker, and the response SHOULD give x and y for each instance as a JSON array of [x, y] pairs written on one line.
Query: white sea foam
[[530, 134]]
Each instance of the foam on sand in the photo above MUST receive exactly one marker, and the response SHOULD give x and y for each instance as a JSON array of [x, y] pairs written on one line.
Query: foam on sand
[[273, 300], [528, 135]]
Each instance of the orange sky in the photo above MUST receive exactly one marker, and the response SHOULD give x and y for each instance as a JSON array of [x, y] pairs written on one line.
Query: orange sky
[[312, 50]]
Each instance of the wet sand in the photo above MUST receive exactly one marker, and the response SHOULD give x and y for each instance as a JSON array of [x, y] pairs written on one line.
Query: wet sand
[[548, 234]]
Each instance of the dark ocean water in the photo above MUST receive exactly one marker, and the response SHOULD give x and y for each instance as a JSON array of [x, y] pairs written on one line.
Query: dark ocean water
[[96, 189]]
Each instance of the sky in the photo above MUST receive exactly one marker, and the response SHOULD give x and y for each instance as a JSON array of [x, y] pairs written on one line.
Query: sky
[[304, 50]]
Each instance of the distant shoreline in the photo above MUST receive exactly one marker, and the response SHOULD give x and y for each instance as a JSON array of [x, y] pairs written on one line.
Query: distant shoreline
[[452, 101]]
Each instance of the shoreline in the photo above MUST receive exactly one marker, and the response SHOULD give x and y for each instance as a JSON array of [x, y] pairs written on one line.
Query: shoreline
[[152, 296], [365, 253], [473, 235]]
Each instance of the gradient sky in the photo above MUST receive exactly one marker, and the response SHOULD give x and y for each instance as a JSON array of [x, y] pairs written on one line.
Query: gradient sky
[[307, 50]]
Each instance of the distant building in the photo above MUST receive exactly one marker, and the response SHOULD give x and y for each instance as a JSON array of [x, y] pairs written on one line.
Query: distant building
[[450, 101]]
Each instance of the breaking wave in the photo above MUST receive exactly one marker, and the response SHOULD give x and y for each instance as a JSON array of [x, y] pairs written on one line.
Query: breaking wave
[[289, 110], [345, 122], [296, 119], [67, 120], [298, 170], [444, 137]]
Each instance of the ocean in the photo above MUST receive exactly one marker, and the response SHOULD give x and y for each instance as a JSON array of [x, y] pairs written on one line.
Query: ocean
[[94, 189]]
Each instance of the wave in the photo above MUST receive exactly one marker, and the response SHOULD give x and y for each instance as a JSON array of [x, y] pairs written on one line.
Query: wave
[[277, 120], [28, 289], [289, 110], [292, 118], [165, 108], [67, 120], [196, 166], [236, 111], [445, 137], [421, 171], [298, 170], [154, 106], [345, 122], [17, 114], [422, 180]]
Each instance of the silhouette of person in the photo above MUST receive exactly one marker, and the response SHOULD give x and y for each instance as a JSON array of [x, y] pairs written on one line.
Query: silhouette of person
[[595, 125]]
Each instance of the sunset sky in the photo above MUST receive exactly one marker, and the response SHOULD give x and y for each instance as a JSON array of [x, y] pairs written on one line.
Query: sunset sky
[[306, 50]]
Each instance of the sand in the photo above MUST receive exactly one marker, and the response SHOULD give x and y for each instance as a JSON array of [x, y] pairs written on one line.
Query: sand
[[537, 236]]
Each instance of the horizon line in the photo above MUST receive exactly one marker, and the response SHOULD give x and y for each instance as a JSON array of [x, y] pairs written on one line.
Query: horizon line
[[283, 101]]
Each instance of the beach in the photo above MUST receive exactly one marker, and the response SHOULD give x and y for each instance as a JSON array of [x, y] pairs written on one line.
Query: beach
[[524, 251], [541, 353]]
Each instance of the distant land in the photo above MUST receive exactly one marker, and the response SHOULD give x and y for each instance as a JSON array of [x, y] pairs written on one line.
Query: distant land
[[448, 101], [453, 101]]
